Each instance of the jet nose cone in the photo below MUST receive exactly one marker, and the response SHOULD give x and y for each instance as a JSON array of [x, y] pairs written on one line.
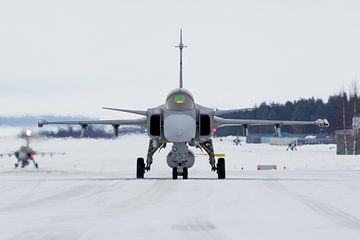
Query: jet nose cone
[[179, 128]]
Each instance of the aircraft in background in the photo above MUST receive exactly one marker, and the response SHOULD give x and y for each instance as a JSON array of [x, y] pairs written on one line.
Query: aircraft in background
[[237, 141], [26, 154], [183, 123]]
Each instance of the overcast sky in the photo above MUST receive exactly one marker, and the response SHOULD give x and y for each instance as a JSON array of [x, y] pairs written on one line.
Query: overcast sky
[[73, 57]]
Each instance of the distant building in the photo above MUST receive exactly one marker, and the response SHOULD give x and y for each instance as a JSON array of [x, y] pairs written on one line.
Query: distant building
[[299, 139], [283, 141], [356, 124], [348, 140]]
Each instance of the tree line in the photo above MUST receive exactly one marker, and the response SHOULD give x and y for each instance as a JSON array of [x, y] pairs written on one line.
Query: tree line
[[339, 110]]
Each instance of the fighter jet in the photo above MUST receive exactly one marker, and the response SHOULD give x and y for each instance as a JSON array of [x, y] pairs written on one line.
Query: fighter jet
[[26, 154], [183, 123], [237, 141]]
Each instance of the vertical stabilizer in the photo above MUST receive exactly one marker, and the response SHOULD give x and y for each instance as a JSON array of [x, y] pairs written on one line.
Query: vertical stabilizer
[[27, 136], [181, 46], [27, 141]]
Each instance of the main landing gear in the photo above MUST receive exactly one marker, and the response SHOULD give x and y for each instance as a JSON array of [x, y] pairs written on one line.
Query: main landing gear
[[180, 169], [35, 164], [140, 168], [140, 164], [219, 168]]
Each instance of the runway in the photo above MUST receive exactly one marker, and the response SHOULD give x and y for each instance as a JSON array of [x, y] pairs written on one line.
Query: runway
[[91, 193]]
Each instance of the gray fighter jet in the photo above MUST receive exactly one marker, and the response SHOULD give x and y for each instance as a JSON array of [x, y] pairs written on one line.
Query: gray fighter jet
[[185, 124], [26, 154]]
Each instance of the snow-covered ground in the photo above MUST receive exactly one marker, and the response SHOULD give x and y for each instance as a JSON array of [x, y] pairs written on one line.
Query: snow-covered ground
[[91, 193]]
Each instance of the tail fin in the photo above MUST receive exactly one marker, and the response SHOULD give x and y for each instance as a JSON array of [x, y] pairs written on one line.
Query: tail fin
[[181, 46]]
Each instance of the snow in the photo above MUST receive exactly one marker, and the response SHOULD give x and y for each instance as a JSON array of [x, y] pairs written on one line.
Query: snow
[[91, 193]]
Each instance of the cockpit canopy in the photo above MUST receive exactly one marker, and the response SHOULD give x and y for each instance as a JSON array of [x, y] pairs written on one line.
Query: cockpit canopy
[[180, 99]]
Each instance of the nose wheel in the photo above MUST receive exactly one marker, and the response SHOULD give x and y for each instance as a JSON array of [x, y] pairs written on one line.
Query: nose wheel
[[221, 168], [176, 173], [140, 168], [185, 173]]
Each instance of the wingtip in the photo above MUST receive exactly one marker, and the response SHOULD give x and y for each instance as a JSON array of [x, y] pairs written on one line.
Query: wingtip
[[42, 123], [323, 123], [326, 123]]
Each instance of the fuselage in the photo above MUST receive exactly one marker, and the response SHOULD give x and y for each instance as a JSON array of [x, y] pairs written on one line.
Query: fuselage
[[179, 116], [183, 123], [180, 119], [24, 154]]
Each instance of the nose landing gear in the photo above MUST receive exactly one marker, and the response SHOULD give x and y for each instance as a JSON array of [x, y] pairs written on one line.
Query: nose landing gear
[[174, 173], [185, 173], [177, 172]]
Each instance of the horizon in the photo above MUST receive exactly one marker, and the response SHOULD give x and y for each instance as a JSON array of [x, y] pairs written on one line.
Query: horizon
[[256, 105]]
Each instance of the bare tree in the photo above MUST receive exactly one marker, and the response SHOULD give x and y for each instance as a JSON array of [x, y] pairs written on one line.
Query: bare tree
[[344, 100], [354, 95]]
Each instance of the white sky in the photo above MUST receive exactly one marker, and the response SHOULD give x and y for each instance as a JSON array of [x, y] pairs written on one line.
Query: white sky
[[72, 57]]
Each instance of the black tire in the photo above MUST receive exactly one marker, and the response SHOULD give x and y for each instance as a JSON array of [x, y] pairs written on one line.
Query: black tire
[[174, 173], [36, 165], [185, 173], [221, 168], [140, 168]]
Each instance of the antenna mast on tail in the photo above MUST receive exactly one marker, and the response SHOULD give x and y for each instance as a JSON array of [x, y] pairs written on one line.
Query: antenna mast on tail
[[181, 46]]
